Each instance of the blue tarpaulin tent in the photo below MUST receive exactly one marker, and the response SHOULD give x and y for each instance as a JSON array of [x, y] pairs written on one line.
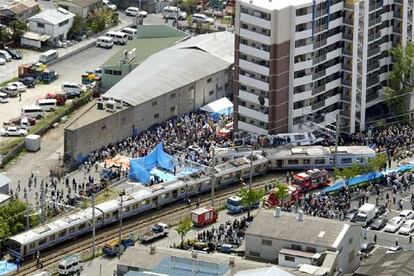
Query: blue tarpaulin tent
[[140, 167], [354, 181]]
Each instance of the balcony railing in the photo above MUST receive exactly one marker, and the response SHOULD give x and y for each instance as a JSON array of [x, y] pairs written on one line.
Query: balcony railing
[[318, 105]]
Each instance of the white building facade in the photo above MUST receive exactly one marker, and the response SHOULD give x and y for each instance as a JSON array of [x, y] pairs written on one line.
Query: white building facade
[[302, 64]]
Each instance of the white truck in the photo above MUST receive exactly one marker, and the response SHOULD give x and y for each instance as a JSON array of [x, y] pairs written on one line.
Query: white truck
[[366, 214], [158, 230]]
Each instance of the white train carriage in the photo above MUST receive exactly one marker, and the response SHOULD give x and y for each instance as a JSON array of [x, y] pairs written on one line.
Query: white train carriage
[[141, 199], [301, 158]]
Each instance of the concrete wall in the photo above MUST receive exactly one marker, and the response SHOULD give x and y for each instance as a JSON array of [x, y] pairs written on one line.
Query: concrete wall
[[109, 80], [79, 142]]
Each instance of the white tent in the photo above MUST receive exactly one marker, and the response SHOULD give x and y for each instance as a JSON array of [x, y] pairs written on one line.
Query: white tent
[[221, 106], [265, 271]]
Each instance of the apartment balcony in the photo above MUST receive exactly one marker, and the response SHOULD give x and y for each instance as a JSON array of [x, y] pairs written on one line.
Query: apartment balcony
[[372, 82], [303, 64], [253, 98], [333, 69], [253, 67], [374, 36], [337, 7], [303, 34], [346, 98], [347, 52], [333, 84], [252, 113], [303, 80], [331, 100], [256, 52], [317, 60], [302, 96], [303, 19], [318, 74], [319, 44], [348, 36], [333, 54], [304, 49], [255, 36], [318, 105], [334, 38], [336, 23], [375, 21], [373, 67], [257, 21], [375, 6], [374, 51], [348, 21], [254, 82], [251, 128], [319, 89]]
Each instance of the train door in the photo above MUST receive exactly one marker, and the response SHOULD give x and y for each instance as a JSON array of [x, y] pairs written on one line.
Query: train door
[[155, 201], [199, 185], [279, 163], [175, 194]]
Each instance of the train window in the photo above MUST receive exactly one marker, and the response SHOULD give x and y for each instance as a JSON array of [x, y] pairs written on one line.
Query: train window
[[43, 241], [115, 213], [63, 233], [167, 195], [32, 245], [135, 206], [346, 160], [293, 162], [81, 226], [319, 161], [72, 229], [182, 190], [162, 196], [127, 209], [107, 216], [190, 189], [359, 160], [52, 237], [175, 193], [145, 202], [306, 161]]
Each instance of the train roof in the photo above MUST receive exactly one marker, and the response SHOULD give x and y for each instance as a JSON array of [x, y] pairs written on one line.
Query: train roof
[[318, 151]]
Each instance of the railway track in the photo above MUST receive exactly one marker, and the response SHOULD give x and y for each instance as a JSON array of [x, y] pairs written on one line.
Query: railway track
[[170, 214]]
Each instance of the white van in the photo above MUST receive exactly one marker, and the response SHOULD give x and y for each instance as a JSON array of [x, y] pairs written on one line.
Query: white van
[[33, 112], [47, 104], [131, 32], [407, 228], [171, 12], [118, 37], [105, 42], [70, 265], [48, 56]]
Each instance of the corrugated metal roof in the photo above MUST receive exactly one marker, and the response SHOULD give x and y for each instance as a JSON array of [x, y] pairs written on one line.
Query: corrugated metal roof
[[220, 44], [163, 72], [52, 16]]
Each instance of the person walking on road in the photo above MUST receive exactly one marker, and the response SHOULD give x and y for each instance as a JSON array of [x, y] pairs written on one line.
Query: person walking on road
[[20, 97], [375, 238]]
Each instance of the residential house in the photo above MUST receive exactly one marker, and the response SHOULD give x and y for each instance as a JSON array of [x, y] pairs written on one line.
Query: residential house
[[20, 10], [323, 246], [79, 7], [48, 28]]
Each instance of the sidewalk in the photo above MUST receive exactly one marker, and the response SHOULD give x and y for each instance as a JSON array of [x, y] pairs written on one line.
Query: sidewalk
[[7, 74]]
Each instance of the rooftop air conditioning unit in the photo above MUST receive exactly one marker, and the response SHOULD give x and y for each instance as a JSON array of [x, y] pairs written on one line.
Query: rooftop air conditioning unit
[[110, 106]]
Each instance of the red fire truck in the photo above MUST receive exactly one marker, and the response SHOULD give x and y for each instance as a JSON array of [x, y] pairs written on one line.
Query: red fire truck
[[272, 200], [204, 216], [311, 180]]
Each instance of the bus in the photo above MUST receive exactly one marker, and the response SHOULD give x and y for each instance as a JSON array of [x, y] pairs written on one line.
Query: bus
[[47, 104], [48, 56], [33, 112]]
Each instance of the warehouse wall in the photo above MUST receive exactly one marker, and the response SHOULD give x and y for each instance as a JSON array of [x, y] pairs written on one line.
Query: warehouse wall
[[79, 142]]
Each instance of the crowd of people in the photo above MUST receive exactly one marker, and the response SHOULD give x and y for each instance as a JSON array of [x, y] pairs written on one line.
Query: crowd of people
[[230, 232]]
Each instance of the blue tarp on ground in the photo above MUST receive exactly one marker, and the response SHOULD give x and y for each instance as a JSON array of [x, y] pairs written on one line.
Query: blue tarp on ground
[[366, 177], [140, 167], [6, 267]]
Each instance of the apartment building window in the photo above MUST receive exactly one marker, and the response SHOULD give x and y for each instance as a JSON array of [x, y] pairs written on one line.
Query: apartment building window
[[290, 259], [172, 109], [156, 116], [63, 23], [172, 96], [302, 11], [311, 249], [40, 25], [242, 103], [154, 103], [296, 247], [267, 242], [211, 93], [208, 80]]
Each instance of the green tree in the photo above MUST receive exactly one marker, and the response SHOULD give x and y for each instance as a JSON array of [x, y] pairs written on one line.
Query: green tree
[[5, 36], [347, 173], [189, 6], [400, 79], [190, 21], [18, 28], [183, 227], [250, 197], [76, 29], [12, 219], [377, 163], [281, 191]]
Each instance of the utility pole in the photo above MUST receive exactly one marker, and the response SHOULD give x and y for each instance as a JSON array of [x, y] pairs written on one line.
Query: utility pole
[[93, 226], [120, 224], [213, 176], [250, 177], [42, 201], [337, 139]]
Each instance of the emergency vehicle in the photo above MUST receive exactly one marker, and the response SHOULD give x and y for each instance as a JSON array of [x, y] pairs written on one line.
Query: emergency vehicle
[[204, 216], [271, 199], [311, 180]]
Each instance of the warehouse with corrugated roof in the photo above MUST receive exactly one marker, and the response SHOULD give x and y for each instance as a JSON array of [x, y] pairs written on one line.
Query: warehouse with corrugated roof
[[169, 83]]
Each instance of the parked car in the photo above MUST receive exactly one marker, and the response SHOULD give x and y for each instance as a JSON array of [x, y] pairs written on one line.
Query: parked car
[[5, 55], [394, 224], [15, 54], [4, 100], [2, 61], [134, 11], [394, 249], [11, 91], [13, 131], [379, 223], [28, 81], [19, 85], [367, 247], [109, 5], [407, 228], [202, 18], [351, 214], [406, 215]]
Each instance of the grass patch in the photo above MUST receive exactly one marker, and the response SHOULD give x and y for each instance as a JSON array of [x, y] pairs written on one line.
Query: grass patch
[[9, 81], [8, 145], [47, 119]]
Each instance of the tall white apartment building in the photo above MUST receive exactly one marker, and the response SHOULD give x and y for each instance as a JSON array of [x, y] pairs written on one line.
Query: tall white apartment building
[[304, 64]]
